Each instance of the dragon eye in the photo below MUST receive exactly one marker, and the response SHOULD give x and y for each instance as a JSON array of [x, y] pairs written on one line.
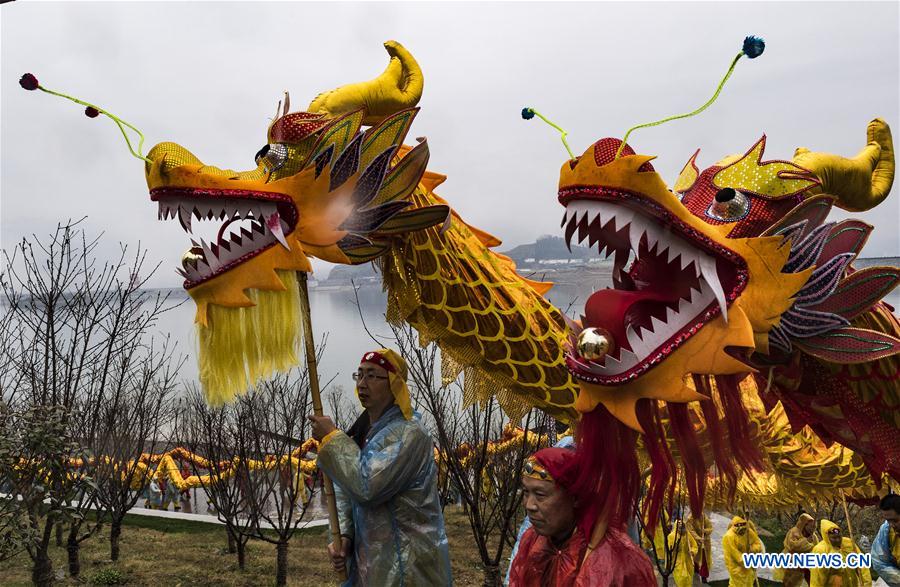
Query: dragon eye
[[725, 195], [729, 205], [272, 156]]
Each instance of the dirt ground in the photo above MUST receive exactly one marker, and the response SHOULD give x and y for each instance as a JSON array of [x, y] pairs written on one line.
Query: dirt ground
[[166, 552], [158, 551]]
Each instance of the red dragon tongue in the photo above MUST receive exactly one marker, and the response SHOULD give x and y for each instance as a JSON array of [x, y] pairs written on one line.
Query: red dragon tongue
[[614, 310]]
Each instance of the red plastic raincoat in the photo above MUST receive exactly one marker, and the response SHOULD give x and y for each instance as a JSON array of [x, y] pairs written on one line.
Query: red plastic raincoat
[[616, 562]]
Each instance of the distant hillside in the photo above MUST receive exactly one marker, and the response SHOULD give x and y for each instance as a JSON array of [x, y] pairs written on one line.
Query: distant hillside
[[359, 274], [877, 261], [548, 248]]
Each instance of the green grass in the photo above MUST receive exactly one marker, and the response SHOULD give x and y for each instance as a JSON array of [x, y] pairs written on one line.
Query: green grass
[[163, 551], [170, 525]]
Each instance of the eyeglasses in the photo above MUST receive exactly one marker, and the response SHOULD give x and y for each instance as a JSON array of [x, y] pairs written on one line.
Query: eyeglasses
[[360, 375]]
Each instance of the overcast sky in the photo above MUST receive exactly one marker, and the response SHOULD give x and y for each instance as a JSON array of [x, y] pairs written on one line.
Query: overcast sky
[[209, 76]]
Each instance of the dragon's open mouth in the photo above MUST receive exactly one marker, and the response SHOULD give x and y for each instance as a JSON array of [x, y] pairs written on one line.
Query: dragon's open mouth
[[679, 280], [257, 221]]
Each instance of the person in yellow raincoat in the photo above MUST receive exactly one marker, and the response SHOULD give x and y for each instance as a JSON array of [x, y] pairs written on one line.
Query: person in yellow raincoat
[[658, 542], [834, 542], [702, 529], [685, 553], [801, 538], [740, 538]]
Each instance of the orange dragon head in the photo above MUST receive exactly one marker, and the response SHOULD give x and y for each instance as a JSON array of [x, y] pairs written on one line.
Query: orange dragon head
[[321, 187], [733, 264]]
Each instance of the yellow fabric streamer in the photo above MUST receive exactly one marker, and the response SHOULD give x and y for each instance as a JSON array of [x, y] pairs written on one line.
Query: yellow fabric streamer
[[242, 345], [165, 466]]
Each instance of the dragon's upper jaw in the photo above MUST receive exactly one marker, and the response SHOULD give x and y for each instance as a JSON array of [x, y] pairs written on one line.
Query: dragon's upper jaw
[[681, 279], [252, 222]]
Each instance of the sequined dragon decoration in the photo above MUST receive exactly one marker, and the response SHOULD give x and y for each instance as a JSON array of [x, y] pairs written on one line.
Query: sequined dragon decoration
[[739, 288], [322, 187], [737, 271], [739, 291]]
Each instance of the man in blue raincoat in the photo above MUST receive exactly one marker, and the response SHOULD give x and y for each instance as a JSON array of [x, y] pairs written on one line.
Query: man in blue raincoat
[[886, 546], [385, 482]]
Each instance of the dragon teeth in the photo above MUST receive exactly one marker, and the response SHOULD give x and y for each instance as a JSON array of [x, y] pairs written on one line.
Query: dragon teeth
[[634, 237], [208, 255], [266, 226], [274, 224], [184, 217], [666, 244], [637, 344], [709, 274], [663, 244], [622, 218]]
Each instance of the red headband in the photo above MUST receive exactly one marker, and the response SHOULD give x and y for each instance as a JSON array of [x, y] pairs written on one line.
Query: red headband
[[558, 463], [378, 359]]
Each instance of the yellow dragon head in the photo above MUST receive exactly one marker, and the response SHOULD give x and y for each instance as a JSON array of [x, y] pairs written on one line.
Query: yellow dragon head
[[321, 188], [730, 266]]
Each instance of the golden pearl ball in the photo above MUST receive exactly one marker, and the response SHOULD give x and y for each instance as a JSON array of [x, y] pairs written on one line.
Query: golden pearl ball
[[594, 343]]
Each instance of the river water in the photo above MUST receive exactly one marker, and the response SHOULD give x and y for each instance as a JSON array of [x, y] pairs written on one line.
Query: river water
[[337, 314], [334, 313]]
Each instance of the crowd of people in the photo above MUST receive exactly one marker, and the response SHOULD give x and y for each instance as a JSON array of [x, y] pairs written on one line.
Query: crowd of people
[[160, 492], [392, 529]]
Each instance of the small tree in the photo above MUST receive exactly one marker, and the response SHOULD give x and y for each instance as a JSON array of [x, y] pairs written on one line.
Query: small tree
[[275, 414], [342, 413], [126, 424], [75, 337], [36, 453], [217, 433], [11, 515], [663, 554]]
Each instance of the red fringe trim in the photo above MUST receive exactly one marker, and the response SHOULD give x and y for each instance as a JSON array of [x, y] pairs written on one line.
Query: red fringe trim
[[724, 464], [743, 446], [691, 455], [605, 470], [662, 465], [605, 473]]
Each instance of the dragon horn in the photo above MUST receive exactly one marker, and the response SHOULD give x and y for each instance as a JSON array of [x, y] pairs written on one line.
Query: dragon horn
[[859, 183], [399, 87]]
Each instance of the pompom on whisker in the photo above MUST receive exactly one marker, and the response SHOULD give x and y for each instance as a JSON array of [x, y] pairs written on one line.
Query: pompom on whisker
[[29, 82], [753, 46]]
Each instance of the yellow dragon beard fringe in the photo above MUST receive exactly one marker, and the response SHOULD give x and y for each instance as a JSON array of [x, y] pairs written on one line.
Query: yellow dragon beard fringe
[[244, 345]]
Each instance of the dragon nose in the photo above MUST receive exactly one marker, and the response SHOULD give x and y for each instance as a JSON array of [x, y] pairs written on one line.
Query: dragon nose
[[168, 156]]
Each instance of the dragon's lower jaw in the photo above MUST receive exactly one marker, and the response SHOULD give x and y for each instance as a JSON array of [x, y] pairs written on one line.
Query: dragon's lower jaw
[[679, 281], [258, 221]]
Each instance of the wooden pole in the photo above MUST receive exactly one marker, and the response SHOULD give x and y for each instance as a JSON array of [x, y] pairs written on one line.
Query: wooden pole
[[847, 516], [746, 517], [333, 522], [849, 527]]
